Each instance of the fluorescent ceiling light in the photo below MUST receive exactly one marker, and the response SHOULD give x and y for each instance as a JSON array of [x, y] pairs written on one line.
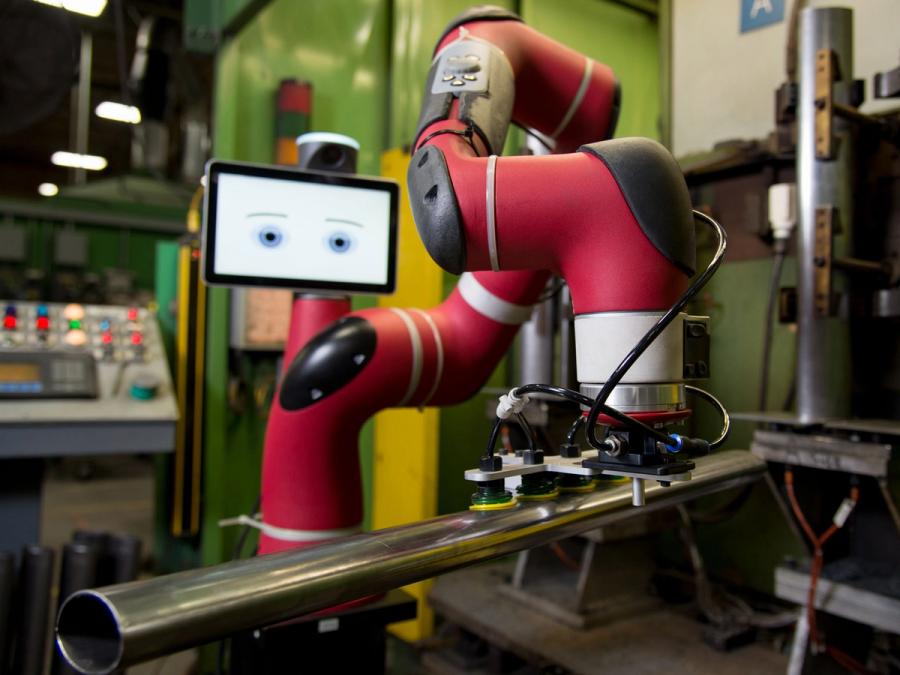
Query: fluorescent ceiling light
[[74, 160], [48, 189], [87, 7], [118, 112]]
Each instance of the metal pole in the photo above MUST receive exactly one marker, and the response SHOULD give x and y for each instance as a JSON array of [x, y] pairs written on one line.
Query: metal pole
[[7, 586], [823, 353], [35, 582], [83, 106], [535, 357], [99, 630]]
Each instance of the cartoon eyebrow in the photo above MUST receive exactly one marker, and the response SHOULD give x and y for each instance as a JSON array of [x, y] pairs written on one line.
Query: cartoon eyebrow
[[263, 213], [342, 220]]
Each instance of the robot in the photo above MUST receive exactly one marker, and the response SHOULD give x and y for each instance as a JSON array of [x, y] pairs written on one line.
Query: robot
[[613, 218]]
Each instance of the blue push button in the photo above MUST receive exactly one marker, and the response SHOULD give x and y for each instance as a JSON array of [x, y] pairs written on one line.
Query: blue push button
[[42, 310]]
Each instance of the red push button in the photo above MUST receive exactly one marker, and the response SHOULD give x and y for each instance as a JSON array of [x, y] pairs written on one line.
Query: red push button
[[9, 322], [42, 323]]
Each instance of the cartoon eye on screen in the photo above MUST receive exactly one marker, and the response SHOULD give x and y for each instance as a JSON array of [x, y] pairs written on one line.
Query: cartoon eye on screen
[[274, 226]]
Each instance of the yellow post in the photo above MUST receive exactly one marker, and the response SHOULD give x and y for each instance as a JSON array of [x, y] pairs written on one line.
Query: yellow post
[[406, 440]]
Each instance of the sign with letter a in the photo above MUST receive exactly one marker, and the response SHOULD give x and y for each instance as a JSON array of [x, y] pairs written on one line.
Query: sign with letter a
[[758, 13]]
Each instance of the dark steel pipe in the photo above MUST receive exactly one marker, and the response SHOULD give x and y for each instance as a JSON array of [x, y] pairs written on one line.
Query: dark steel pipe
[[80, 564], [99, 540], [35, 581], [125, 555], [99, 630], [7, 585]]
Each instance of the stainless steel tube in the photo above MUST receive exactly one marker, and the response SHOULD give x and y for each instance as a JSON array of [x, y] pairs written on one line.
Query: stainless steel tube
[[823, 342], [100, 630]]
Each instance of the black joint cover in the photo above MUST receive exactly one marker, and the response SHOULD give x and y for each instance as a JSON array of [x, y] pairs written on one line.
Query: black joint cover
[[479, 13], [435, 209], [656, 192], [328, 362]]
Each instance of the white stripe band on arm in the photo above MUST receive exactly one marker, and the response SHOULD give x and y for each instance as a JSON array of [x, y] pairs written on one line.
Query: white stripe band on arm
[[416, 340], [439, 346], [579, 96], [490, 208], [487, 304], [286, 534]]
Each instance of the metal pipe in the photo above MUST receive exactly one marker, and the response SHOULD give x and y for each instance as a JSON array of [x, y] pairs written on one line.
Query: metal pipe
[[80, 564], [125, 557], [83, 101], [99, 630], [35, 581], [535, 355], [823, 358], [7, 586]]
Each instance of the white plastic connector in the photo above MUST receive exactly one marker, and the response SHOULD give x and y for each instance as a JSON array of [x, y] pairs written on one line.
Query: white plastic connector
[[510, 404], [783, 209]]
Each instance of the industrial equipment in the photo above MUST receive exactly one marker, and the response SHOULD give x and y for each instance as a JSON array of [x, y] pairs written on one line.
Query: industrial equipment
[[76, 380], [613, 219]]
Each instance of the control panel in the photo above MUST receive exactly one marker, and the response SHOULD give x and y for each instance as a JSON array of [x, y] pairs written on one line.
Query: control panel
[[108, 332], [83, 379]]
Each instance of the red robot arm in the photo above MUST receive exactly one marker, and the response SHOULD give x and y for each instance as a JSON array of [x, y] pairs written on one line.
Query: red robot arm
[[379, 358], [619, 206]]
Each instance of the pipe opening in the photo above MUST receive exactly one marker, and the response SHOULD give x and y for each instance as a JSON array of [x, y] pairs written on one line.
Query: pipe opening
[[87, 633]]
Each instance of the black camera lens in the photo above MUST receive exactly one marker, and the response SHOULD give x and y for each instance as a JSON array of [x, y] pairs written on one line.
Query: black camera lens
[[332, 155]]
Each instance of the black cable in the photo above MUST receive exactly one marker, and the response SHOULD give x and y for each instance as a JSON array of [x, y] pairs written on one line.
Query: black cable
[[581, 399], [527, 430], [492, 441], [655, 331], [774, 283], [726, 418], [573, 430], [467, 135]]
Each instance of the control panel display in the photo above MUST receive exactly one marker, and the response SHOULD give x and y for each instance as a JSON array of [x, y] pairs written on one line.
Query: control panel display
[[275, 226], [53, 350], [11, 373]]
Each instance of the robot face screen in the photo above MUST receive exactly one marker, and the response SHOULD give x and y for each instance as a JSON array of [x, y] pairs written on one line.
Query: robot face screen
[[271, 226]]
